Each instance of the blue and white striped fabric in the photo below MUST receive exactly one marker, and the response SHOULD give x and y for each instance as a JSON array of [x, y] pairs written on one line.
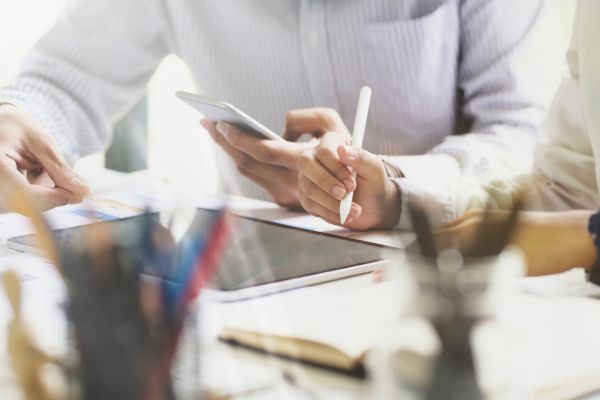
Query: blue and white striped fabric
[[439, 69]]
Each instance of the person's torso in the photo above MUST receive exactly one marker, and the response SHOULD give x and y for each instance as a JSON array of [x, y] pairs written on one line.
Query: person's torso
[[270, 56], [571, 152], [589, 70]]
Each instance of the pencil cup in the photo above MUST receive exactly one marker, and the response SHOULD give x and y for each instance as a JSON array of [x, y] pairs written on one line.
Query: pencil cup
[[451, 322]]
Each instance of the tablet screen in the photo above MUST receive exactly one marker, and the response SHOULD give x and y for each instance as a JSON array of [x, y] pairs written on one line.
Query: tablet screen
[[257, 253]]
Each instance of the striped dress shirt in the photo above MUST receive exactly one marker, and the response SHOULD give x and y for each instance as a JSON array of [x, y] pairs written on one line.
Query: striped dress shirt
[[465, 82]]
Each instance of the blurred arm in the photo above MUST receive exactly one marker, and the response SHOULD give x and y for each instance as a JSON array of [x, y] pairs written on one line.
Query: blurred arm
[[89, 69]]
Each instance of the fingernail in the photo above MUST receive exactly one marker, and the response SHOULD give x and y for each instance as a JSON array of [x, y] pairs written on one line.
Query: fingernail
[[349, 220], [338, 192], [351, 151], [378, 275], [349, 184]]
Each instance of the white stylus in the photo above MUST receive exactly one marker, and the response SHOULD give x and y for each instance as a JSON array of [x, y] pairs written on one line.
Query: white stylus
[[358, 134]]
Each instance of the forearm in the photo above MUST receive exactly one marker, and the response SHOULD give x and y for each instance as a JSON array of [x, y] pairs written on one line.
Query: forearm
[[555, 242]]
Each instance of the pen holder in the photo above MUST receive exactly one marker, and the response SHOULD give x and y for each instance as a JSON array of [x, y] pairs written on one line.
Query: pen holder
[[126, 314], [430, 354], [115, 311]]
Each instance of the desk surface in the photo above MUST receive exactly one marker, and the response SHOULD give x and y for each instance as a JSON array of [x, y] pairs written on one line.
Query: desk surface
[[243, 366], [238, 362]]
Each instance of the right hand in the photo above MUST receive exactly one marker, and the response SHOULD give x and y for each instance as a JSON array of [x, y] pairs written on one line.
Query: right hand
[[32, 160], [273, 164]]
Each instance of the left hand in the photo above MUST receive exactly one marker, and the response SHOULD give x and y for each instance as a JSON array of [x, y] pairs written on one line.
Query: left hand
[[325, 177], [272, 164], [551, 242]]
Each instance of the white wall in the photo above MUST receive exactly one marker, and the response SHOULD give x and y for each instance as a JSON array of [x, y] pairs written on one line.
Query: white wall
[[179, 149]]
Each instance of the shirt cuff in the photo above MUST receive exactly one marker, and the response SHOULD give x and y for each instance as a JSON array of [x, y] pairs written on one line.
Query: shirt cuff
[[427, 181], [7, 105]]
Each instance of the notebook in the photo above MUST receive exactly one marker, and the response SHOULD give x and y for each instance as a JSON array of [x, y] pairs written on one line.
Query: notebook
[[545, 347], [330, 329]]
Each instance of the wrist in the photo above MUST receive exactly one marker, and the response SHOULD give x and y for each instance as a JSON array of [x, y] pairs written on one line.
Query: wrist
[[8, 107], [10, 112], [391, 169], [592, 249], [392, 206]]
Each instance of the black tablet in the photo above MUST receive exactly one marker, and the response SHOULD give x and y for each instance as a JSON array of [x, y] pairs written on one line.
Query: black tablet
[[261, 257]]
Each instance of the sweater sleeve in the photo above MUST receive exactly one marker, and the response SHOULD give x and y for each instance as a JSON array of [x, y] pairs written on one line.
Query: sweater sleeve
[[89, 69]]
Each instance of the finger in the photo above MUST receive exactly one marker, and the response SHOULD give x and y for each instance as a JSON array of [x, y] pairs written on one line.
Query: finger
[[210, 127], [245, 164], [43, 149], [367, 165], [268, 184], [355, 213], [278, 176], [23, 161], [281, 195], [326, 154], [39, 177], [333, 217], [315, 193], [318, 210], [314, 121], [314, 171], [47, 198], [267, 151], [44, 197]]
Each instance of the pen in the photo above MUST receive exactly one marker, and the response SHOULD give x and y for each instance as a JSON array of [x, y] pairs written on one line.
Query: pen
[[358, 134]]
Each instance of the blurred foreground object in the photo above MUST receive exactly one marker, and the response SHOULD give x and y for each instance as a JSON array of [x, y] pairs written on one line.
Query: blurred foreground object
[[455, 289], [131, 290], [29, 362]]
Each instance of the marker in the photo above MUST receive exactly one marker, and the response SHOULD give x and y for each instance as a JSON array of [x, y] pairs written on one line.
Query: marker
[[358, 134]]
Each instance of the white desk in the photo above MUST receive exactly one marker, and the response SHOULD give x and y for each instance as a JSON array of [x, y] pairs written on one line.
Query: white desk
[[240, 364]]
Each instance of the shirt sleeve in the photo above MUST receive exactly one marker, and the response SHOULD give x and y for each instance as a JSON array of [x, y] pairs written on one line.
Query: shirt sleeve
[[510, 66], [89, 69], [564, 174]]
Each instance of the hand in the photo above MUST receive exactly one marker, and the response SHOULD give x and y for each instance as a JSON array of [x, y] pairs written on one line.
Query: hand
[[326, 177], [551, 242], [272, 164], [32, 159]]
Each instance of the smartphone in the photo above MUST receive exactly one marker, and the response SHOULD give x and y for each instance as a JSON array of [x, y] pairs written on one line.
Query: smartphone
[[218, 110]]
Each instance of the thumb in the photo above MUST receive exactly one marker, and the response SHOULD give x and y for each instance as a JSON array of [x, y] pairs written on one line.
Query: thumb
[[367, 165], [313, 121], [45, 151]]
